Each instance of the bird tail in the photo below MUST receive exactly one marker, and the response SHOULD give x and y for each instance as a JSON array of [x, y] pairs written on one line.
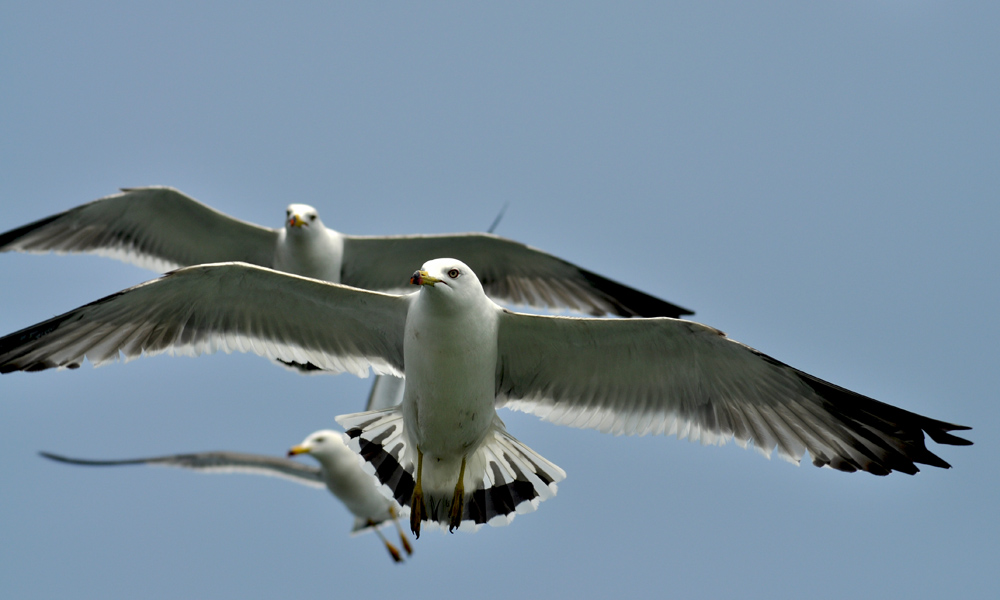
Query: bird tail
[[361, 524], [503, 477]]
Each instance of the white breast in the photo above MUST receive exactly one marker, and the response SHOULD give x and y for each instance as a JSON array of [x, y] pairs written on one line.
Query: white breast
[[317, 254], [450, 359]]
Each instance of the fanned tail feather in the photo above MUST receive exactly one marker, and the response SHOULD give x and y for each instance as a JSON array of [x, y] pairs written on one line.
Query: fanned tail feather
[[503, 477], [377, 436]]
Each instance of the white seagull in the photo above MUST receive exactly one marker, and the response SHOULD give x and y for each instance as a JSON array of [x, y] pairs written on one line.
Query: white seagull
[[444, 452], [161, 228], [339, 471]]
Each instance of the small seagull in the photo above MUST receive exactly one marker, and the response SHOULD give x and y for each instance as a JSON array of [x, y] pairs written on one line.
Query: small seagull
[[445, 453], [339, 470], [162, 229]]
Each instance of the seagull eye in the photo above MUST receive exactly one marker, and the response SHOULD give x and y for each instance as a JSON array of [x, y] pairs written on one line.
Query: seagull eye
[[320, 440], [312, 217], [453, 273], [288, 213]]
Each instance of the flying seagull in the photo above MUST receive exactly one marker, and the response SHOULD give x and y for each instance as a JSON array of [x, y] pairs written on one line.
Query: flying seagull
[[339, 470], [444, 452], [162, 229]]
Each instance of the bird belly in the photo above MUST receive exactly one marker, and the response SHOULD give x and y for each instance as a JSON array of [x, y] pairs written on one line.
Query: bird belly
[[354, 487], [448, 405], [319, 257]]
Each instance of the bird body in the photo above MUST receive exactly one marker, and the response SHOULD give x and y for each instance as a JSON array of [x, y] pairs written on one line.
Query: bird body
[[449, 330], [305, 246], [458, 350], [339, 472], [450, 350], [161, 228], [448, 409]]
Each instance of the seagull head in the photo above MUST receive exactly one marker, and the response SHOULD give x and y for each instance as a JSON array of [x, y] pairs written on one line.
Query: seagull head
[[302, 217], [325, 443], [447, 277]]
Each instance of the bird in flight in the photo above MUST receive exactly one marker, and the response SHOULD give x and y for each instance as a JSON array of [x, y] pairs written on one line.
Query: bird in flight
[[444, 452]]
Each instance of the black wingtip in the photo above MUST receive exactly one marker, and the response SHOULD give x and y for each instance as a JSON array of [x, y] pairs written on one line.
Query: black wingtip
[[13, 347], [55, 457], [8, 238], [940, 434], [630, 302], [907, 428], [300, 367]]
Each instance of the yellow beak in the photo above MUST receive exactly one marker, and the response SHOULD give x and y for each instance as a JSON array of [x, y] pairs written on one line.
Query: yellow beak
[[297, 450], [423, 278], [296, 221]]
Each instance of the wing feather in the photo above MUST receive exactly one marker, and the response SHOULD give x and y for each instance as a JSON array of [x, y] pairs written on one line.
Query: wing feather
[[510, 272], [640, 376], [229, 307], [217, 462], [157, 228]]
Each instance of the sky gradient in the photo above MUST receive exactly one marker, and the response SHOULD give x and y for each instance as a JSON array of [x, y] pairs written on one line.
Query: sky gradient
[[817, 180]]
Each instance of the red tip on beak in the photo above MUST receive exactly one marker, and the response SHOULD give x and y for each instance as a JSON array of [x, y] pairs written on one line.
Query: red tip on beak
[[415, 278]]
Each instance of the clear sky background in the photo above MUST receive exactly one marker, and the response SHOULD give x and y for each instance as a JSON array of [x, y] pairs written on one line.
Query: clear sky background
[[819, 180]]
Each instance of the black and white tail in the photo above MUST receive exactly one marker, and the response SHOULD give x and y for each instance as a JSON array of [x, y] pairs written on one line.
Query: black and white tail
[[503, 477]]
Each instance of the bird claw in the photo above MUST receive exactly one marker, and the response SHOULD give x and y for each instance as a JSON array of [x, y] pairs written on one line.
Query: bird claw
[[417, 508], [458, 501]]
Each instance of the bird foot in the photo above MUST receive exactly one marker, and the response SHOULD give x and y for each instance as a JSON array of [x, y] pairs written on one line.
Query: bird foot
[[458, 501], [417, 508], [402, 534], [393, 551]]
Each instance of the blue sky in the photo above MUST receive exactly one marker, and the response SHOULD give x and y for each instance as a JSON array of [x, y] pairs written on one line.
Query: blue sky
[[816, 179]]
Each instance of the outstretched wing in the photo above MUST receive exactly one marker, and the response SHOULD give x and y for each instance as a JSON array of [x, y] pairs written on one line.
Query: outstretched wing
[[670, 376], [228, 306], [510, 272], [217, 462], [157, 228]]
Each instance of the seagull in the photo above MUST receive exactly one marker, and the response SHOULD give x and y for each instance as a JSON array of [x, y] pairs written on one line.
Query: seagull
[[444, 452], [339, 470], [162, 229]]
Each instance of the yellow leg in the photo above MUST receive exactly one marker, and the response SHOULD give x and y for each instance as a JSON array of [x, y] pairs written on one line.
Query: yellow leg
[[417, 508], [458, 501], [388, 546], [402, 534]]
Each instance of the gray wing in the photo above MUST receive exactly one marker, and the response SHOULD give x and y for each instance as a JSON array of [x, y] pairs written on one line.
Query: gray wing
[[387, 392], [217, 462], [669, 376], [228, 306], [510, 272], [157, 228]]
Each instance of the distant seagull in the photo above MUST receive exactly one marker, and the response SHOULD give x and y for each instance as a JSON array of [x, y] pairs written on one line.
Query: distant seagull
[[444, 452], [162, 229], [339, 470]]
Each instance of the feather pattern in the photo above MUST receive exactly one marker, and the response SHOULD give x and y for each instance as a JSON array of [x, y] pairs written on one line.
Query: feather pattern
[[161, 228], [157, 228], [228, 307], [510, 272], [504, 477], [217, 462], [675, 377], [621, 376]]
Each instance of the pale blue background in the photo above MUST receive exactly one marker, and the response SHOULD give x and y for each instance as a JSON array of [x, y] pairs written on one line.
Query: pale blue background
[[817, 179]]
